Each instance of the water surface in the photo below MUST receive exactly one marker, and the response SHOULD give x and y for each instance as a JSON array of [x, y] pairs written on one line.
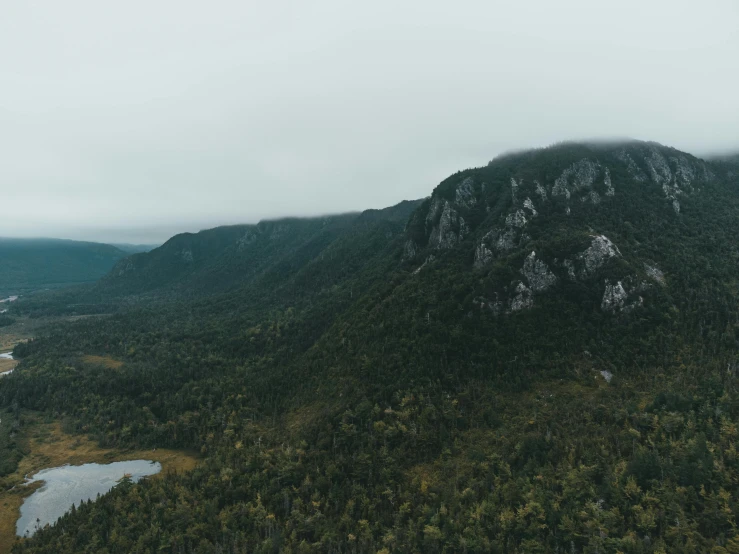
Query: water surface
[[67, 485], [6, 356]]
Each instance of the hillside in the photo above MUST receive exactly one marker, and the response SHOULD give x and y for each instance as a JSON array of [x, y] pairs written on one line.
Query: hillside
[[539, 357], [134, 248], [226, 257], [28, 264]]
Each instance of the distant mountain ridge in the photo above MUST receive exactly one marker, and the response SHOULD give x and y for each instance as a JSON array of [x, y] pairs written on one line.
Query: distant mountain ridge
[[217, 259], [27, 264]]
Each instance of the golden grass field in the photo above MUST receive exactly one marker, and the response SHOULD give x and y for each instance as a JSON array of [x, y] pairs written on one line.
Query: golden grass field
[[105, 361], [48, 446]]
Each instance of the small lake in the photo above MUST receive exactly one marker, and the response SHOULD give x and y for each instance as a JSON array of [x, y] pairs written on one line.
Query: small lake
[[67, 485], [6, 356]]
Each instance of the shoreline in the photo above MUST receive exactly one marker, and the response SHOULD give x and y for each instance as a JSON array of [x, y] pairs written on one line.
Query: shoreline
[[48, 447]]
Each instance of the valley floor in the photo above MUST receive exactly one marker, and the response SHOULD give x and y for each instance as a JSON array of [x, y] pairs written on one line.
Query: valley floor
[[46, 445]]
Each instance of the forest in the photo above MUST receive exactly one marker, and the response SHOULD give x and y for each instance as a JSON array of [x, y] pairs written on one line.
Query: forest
[[412, 379]]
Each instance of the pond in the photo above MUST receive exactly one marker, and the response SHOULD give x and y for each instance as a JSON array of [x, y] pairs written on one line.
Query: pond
[[5, 356], [68, 485]]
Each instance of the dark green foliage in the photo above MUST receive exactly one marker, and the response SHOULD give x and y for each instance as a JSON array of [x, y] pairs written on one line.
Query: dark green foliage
[[346, 401], [29, 264]]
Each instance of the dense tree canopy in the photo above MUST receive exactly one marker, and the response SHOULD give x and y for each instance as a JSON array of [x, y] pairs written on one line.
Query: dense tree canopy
[[365, 384]]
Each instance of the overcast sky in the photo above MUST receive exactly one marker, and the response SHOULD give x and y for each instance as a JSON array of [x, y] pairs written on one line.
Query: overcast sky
[[130, 121]]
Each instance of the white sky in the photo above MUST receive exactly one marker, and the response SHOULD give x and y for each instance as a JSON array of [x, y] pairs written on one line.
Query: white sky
[[130, 121]]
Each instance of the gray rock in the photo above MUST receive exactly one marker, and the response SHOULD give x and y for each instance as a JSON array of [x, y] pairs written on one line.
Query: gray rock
[[579, 175], [186, 255], [434, 209], [541, 191], [600, 251], [465, 195], [655, 273], [529, 205], [607, 375], [684, 171], [614, 297], [506, 240], [523, 300], [537, 273], [516, 219], [483, 255], [450, 230], [634, 171], [514, 189], [610, 191], [659, 169]]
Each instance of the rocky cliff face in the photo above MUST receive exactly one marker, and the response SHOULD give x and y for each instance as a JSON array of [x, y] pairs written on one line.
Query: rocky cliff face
[[504, 214]]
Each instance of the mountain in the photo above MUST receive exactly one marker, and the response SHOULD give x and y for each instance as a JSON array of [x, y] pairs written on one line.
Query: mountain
[[539, 357], [248, 257], [29, 264], [134, 248]]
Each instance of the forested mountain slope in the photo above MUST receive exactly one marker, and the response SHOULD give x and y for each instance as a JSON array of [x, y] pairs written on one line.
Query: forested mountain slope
[[540, 357], [32, 263], [227, 257]]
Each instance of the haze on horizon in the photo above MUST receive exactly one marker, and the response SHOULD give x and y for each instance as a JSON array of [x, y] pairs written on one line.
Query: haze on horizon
[[130, 122]]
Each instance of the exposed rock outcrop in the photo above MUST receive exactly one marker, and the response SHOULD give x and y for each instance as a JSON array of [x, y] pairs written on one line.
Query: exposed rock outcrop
[[610, 191], [541, 191], [659, 169], [483, 255], [579, 175], [538, 275], [614, 297], [450, 230], [634, 171], [655, 273], [516, 219], [523, 300], [600, 251], [465, 195], [506, 240]]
